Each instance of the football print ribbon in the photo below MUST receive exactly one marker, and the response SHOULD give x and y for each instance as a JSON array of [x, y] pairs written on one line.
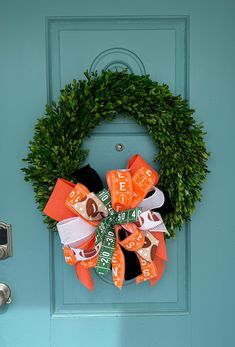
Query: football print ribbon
[[86, 205], [105, 232]]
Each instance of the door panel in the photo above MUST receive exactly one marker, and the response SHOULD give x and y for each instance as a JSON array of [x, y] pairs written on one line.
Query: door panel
[[119, 43], [155, 45], [193, 304]]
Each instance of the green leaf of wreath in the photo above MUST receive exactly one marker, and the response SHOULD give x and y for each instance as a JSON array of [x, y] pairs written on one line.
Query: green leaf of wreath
[[56, 148]]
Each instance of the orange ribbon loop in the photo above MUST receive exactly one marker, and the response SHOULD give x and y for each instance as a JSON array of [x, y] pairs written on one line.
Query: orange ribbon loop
[[136, 162], [55, 207], [144, 178], [120, 187], [86, 205], [142, 182], [134, 241]]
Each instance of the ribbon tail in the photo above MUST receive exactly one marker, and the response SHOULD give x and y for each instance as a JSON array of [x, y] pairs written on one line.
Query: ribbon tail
[[149, 271], [160, 257], [118, 266], [160, 265], [161, 249], [84, 276]]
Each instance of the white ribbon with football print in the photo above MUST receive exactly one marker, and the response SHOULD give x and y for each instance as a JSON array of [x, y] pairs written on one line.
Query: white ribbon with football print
[[85, 254], [148, 222]]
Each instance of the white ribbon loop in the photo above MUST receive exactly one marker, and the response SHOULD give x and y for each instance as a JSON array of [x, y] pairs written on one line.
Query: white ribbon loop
[[156, 200], [149, 220], [83, 254], [74, 231]]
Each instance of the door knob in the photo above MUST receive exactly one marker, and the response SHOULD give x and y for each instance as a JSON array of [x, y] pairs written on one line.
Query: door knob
[[5, 295]]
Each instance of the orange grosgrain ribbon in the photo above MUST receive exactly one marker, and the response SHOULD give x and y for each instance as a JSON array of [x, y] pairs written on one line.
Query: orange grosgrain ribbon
[[120, 187], [55, 207], [137, 162], [143, 176], [142, 182]]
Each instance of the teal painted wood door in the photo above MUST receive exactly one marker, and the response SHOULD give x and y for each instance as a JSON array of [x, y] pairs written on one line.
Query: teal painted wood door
[[188, 45]]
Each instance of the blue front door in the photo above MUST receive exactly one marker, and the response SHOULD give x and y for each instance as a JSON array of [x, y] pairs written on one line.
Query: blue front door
[[187, 46]]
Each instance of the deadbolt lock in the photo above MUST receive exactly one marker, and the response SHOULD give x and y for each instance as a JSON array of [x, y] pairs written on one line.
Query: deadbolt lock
[[5, 241]]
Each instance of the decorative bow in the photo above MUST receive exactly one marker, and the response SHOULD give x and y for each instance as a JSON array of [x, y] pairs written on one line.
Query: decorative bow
[[92, 238]]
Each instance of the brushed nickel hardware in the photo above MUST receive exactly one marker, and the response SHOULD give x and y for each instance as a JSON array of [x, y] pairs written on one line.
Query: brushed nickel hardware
[[5, 295], [5, 241]]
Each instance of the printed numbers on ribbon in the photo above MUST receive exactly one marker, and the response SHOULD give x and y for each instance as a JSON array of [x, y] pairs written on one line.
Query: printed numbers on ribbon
[[104, 196], [121, 217], [110, 233], [109, 241], [104, 260], [136, 214], [105, 254]]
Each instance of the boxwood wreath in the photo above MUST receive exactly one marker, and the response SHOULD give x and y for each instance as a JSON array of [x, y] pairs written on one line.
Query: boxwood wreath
[[56, 149]]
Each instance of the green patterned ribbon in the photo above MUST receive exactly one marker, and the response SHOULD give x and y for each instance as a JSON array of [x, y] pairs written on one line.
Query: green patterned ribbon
[[105, 232]]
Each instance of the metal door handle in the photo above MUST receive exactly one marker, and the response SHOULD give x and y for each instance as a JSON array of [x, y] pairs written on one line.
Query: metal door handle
[[5, 295]]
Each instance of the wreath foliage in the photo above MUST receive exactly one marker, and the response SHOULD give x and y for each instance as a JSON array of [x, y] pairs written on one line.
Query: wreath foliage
[[56, 148]]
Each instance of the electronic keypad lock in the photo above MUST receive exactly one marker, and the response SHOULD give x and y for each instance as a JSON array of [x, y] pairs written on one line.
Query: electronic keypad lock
[[5, 241]]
